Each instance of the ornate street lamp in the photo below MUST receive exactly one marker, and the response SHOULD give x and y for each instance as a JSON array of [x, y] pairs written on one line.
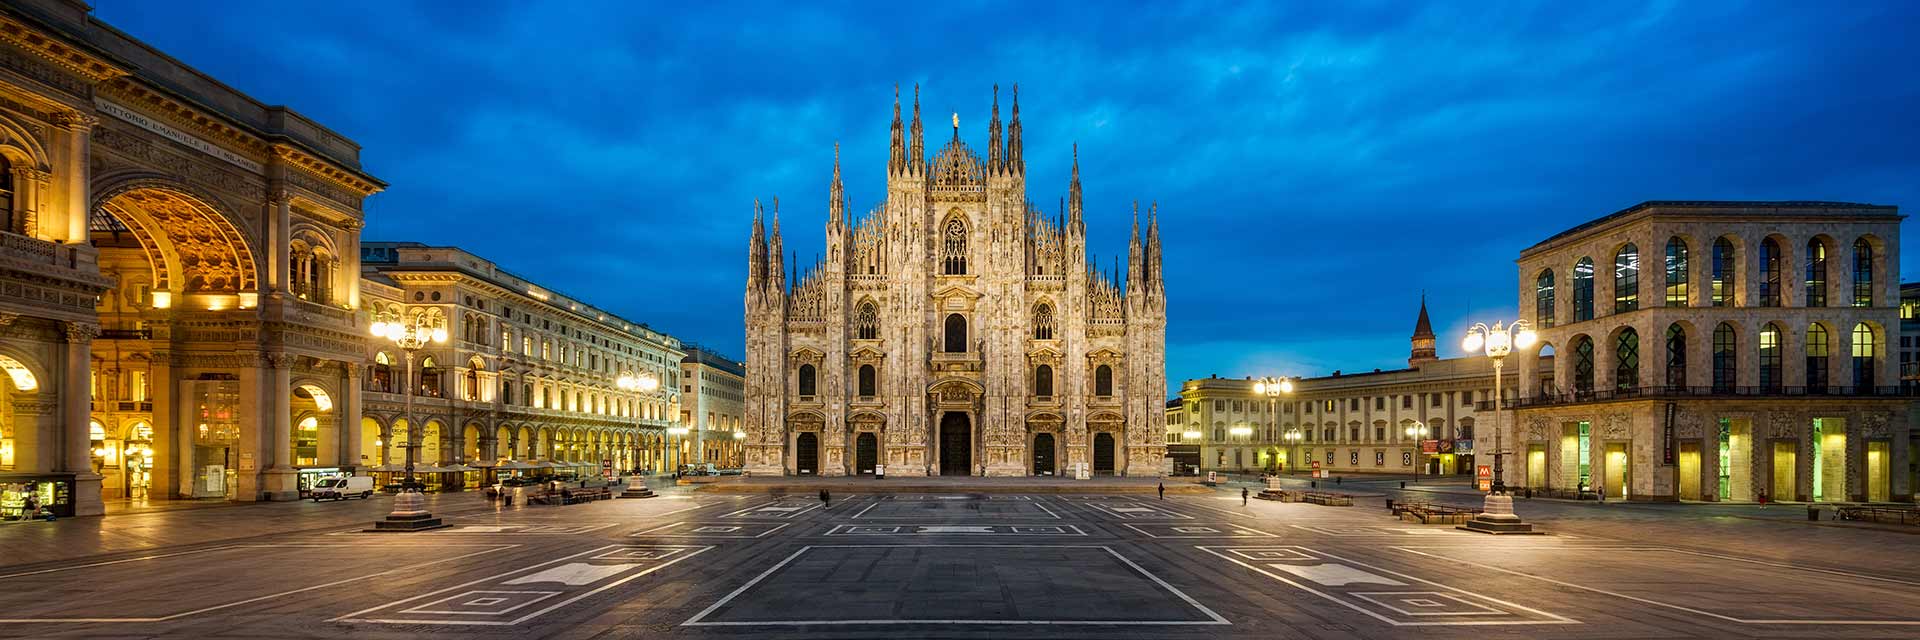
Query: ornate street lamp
[[1293, 438], [1273, 388], [410, 335], [1418, 431], [1496, 342]]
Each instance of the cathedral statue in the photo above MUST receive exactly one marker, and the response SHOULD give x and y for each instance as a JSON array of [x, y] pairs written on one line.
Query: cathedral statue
[[955, 329]]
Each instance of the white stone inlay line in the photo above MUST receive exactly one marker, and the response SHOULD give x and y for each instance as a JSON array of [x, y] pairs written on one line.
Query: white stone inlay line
[[575, 574], [1334, 574]]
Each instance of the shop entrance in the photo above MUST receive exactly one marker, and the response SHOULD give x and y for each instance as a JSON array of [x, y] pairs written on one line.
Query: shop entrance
[[1103, 453], [956, 444], [866, 452], [1783, 460], [1689, 471], [1537, 466], [1617, 472], [1733, 471], [1043, 454], [1879, 480], [806, 454], [1829, 460]]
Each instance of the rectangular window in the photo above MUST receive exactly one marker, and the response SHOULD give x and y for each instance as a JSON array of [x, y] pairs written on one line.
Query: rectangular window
[[1406, 402], [1436, 399], [1379, 403], [1353, 405]]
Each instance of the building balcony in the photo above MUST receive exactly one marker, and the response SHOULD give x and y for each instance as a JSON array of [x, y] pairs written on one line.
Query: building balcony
[[1698, 393]]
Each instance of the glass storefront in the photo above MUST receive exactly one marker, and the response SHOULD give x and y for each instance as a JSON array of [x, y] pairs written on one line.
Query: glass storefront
[[52, 493]]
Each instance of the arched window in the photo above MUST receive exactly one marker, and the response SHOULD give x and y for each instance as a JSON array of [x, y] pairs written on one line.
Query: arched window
[[470, 387], [1725, 359], [956, 333], [1770, 357], [1626, 351], [1676, 356], [1862, 273], [867, 323], [954, 248], [382, 372], [1543, 299], [807, 382], [1103, 381], [1043, 322], [1583, 365], [1676, 272], [1043, 381], [429, 378], [1583, 290], [1818, 347], [1725, 265], [1769, 273], [867, 381], [1816, 273], [1863, 352], [1626, 279], [6, 199]]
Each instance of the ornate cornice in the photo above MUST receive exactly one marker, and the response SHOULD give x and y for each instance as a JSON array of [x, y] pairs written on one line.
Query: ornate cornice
[[93, 68], [325, 169]]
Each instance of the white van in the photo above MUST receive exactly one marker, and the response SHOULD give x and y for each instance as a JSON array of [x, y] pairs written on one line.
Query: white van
[[342, 487]]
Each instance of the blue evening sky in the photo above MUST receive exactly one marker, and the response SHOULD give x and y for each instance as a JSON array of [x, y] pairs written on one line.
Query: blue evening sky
[[1317, 165]]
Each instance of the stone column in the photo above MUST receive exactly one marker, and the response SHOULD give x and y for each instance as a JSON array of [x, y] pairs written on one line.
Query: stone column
[[75, 411], [349, 416], [67, 221], [279, 243], [278, 479]]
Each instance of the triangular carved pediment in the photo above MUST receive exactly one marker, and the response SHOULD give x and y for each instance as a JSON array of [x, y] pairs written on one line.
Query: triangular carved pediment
[[954, 290], [867, 353]]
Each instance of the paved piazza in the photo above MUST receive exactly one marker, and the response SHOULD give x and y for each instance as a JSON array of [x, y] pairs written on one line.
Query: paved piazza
[[872, 565]]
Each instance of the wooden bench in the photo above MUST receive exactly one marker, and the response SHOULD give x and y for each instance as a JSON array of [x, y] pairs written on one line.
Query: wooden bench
[[1327, 499], [1895, 515]]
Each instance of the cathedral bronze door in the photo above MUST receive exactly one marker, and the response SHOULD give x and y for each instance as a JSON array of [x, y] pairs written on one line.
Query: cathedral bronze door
[[1043, 454], [806, 454], [866, 452], [956, 444], [1103, 454]]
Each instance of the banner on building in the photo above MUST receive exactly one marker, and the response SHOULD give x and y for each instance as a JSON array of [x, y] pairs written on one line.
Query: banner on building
[[1430, 446], [1666, 437]]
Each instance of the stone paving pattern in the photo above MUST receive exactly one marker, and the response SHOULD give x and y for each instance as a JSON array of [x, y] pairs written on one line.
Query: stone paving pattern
[[959, 565]]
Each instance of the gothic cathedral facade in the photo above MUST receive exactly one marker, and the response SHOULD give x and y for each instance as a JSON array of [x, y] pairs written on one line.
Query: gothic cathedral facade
[[955, 330]]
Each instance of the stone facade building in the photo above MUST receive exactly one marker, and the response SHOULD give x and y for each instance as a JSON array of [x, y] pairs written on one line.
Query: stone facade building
[[954, 329], [1755, 357], [713, 392], [1345, 422], [177, 272], [527, 373]]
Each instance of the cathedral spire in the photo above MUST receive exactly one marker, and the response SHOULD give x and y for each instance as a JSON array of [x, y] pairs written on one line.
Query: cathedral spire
[[1073, 192], [836, 194], [897, 153], [1014, 162], [1136, 269], [757, 250], [993, 134], [917, 149], [777, 272], [1153, 249]]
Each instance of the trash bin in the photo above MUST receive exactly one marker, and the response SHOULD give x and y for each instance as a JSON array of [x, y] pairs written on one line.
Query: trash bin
[[1813, 513], [1389, 505]]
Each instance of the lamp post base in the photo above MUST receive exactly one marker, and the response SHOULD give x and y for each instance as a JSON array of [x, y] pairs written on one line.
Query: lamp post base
[[1498, 518], [637, 488], [409, 514]]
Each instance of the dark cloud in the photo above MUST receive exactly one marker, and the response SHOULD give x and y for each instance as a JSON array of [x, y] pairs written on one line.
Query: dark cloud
[[1318, 165]]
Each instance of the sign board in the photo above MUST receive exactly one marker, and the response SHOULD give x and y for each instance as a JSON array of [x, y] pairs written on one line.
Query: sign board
[[1463, 445], [1484, 475], [606, 467], [1666, 438], [1446, 446], [1429, 446]]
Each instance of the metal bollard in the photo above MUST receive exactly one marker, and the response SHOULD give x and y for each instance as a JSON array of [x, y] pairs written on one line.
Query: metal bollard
[[1315, 484], [1403, 484], [1813, 513], [1389, 505]]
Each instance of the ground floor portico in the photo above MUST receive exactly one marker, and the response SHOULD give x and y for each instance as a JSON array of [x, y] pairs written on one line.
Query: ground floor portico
[[1712, 450]]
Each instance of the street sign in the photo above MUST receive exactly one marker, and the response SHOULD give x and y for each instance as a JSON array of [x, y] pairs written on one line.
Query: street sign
[[1666, 438], [1484, 474]]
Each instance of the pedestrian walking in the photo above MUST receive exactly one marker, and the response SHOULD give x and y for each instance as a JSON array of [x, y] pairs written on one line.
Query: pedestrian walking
[[1163, 491], [1243, 496], [826, 501]]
